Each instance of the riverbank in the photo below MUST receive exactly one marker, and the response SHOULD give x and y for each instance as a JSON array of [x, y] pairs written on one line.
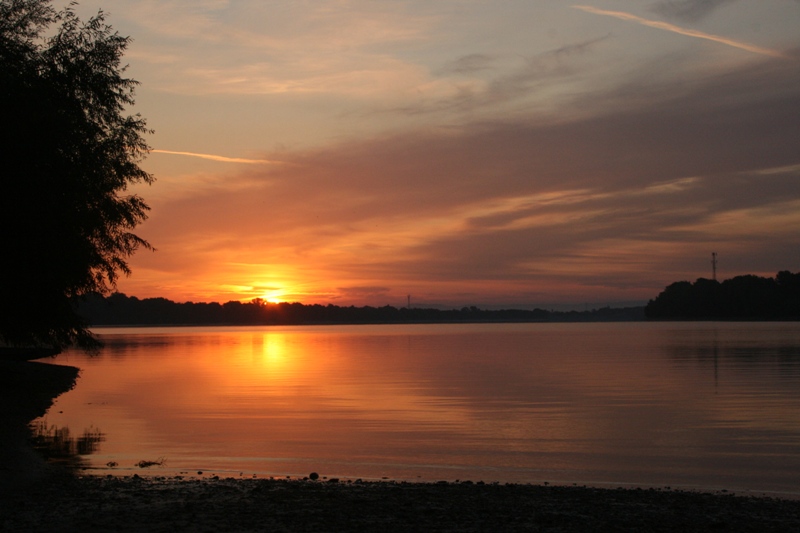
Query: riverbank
[[160, 504], [27, 390]]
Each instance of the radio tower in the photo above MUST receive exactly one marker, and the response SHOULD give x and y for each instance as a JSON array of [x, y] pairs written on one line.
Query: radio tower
[[714, 266]]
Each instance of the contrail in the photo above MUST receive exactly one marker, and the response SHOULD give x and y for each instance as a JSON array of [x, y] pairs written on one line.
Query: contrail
[[219, 158], [683, 31]]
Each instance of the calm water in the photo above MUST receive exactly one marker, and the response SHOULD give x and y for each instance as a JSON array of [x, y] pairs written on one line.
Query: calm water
[[710, 405]]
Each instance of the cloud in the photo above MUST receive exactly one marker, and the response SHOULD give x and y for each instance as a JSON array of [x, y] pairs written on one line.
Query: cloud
[[610, 205], [689, 10], [468, 64], [682, 31], [219, 158], [360, 292], [258, 41], [510, 81]]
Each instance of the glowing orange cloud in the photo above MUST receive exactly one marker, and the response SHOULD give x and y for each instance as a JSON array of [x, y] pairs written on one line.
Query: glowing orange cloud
[[682, 31], [219, 158], [606, 208]]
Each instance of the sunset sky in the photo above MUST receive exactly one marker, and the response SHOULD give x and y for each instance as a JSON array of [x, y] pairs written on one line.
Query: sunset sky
[[512, 153]]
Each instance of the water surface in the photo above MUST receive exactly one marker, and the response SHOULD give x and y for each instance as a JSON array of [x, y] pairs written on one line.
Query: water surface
[[710, 405]]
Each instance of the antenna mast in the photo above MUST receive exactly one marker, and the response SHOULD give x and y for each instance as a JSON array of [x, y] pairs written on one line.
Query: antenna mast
[[714, 266]]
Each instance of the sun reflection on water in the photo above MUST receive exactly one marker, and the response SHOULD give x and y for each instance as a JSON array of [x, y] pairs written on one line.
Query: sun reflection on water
[[517, 399]]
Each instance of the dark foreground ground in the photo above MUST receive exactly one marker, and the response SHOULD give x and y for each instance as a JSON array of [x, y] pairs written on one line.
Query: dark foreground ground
[[27, 390], [100, 504], [36, 497]]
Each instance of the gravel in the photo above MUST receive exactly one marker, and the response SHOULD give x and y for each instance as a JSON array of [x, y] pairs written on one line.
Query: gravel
[[67, 503]]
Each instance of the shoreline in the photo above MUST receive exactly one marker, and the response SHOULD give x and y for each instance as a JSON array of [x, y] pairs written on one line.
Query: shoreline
[[163, 472], [27, 391]]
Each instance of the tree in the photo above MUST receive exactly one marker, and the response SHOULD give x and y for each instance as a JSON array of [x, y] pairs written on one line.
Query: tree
[[69, 153], [745, 297]]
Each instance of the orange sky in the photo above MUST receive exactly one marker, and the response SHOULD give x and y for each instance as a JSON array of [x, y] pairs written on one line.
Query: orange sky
[[466, 153]]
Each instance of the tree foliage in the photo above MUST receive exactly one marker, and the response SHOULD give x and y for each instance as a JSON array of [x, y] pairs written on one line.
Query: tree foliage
[[120, 310], [70, 150], [738, 298]]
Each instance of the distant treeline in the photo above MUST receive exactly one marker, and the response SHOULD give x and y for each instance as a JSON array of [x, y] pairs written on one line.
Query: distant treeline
[[119, 309], [740, 298]]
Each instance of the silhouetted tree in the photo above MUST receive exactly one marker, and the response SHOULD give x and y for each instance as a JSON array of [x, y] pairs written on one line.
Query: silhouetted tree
[[741, 297], [69, 152], [789, 287], [119, 309]]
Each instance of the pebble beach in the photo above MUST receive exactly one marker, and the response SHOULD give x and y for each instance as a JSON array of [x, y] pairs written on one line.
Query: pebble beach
[[67, 503]]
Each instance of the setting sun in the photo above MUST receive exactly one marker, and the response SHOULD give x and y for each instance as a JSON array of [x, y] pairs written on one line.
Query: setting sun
[[460, 170], [274, 296]]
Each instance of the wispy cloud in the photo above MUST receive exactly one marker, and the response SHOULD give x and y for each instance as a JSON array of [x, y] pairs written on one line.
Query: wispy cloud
[[463, 154], [613, 206], [690, 10], [682, 31], [469, 64], [220, 158], [507, 81]]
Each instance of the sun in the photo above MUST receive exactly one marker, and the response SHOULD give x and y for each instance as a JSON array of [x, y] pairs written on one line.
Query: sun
[[274, 296]]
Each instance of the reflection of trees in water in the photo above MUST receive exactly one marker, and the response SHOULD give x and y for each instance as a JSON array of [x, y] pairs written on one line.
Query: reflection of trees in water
[[773, 353], [710, 350], [57, 443]]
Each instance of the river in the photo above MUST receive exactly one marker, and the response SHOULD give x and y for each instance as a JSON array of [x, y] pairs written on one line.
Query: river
[[695, 405]]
